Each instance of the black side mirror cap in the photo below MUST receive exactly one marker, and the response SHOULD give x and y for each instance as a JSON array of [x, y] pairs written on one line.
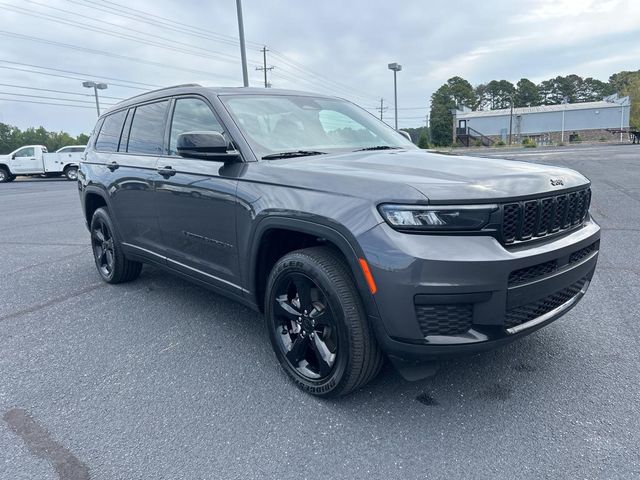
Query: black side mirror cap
[[205, 145]]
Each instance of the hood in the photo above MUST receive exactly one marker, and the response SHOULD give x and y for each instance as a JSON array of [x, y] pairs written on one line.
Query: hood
[[440, 177]]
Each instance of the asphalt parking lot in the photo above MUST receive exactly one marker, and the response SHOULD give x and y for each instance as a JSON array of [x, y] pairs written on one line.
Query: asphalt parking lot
[[162, 379]]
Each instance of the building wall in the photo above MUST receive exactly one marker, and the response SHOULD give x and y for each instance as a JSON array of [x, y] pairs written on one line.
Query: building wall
[[541, 122]]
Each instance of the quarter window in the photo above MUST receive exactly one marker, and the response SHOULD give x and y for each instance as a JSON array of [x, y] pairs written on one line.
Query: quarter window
[[147, 129], [109, 135], [191, 114]]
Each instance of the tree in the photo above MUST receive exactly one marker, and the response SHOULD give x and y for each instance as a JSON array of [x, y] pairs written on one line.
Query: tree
[[423, 141], [592, 90], [453, 94], [527, 94]]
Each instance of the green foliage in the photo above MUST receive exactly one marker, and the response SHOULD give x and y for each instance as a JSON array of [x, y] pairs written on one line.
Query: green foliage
[[528, 143], [527, 94], [495, 95], [12, 138], [628, 83], [455, 93], [499, 143], [415, 133], [423, 141]]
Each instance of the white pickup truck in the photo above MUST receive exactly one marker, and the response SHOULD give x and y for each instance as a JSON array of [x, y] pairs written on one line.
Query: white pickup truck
[[34, 160]]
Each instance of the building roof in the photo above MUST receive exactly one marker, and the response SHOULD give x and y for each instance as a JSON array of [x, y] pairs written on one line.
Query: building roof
[[624, 101]]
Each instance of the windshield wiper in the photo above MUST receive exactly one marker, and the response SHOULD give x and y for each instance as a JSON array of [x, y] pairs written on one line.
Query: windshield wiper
[[297, 153], [378, 147]]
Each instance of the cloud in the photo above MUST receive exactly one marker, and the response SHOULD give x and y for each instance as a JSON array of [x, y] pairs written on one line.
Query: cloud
[[340, 48]]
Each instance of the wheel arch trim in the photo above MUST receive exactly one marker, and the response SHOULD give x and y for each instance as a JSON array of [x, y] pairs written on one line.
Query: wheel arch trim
[[323, 228]]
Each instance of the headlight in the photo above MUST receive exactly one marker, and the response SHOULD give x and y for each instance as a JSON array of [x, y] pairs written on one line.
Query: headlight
[[437, 217]]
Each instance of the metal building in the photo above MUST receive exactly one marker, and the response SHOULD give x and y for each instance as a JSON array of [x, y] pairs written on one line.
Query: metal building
[[589, 121]]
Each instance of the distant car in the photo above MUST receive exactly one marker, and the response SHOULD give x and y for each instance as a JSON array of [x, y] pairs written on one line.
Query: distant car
[[34, 160], [350, 239]]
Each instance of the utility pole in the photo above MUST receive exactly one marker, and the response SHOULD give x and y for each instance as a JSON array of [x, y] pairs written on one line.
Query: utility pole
[[243, 50], [382, 108], [264, 66]]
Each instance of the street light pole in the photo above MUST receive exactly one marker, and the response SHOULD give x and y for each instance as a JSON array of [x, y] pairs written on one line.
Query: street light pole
[[96, 87], [243, 50], [396, 67], [511, 121]]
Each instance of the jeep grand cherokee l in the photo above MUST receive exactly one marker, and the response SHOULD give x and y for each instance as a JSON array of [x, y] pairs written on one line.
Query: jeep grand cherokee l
[[354, 243]]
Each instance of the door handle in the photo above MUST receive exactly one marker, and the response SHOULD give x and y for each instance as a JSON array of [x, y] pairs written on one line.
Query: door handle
[[113, 166], [166, 171]]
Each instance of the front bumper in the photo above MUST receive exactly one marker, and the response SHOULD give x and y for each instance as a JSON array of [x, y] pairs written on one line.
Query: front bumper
[[449, 295]]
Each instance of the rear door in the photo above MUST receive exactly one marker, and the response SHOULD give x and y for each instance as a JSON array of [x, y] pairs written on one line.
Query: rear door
[[26, 160], [131, 171], [197, 201]]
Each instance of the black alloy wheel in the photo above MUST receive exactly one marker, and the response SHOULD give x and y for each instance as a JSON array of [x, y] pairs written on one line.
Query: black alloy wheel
[[317, 323], [305, 327], [110, 260]]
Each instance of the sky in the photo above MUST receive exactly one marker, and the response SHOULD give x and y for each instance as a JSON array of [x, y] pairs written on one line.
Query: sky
[[330, 47]]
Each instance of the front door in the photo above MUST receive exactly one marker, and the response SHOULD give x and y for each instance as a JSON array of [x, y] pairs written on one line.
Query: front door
[[25, 161], [196, 203]]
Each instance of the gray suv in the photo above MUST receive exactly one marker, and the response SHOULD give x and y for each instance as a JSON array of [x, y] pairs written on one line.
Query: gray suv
[[355, 244]]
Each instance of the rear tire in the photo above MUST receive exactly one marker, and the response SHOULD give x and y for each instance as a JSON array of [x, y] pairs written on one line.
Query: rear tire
[[113, 266], [317, 324], [71, 173], [5, 176]]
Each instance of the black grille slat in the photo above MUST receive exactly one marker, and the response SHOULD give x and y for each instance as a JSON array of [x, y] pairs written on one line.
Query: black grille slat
[[536, 218], [530, 311], [529, 220], [583, 253], [450, 319], [523, 275], [511, 221], [546, 212]]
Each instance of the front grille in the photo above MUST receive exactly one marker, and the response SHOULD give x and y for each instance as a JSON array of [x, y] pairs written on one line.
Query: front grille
[[451, 319], [536, 218], [584, 252], [530, 311], [529, 273]]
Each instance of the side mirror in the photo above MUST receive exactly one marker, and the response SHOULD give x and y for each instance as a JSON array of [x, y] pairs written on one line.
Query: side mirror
[[13, 157], [405, 134], [205, 146]]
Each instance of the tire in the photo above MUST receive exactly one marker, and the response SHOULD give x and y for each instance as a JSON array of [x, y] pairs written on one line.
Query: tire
[[4, 175], [11, 178], [328, 348], [113, 266], [71, 173]]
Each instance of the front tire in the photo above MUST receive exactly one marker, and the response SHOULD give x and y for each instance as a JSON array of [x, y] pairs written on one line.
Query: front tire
[[5, 176], [317, 324], [110, 260]]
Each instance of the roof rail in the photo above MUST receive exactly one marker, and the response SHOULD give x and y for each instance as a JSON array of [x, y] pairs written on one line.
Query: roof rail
[[161, 89]]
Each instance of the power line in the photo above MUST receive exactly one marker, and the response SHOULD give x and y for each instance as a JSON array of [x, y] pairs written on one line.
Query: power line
[[106, 54], [164, 22], [51, 98], [66, 92], [83, 77], [190, 50], [44, 103]]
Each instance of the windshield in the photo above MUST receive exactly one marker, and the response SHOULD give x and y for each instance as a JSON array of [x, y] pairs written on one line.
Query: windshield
[[274, 124]]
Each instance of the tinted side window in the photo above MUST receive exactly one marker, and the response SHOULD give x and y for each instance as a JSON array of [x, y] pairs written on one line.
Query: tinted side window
[[147, 129], [191, 114], [109, 135]]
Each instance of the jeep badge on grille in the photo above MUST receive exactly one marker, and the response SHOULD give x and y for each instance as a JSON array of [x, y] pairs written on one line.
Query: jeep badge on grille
[[556, 182]]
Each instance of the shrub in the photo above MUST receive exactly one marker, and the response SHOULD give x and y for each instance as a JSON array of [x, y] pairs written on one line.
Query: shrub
[[500, 143]]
